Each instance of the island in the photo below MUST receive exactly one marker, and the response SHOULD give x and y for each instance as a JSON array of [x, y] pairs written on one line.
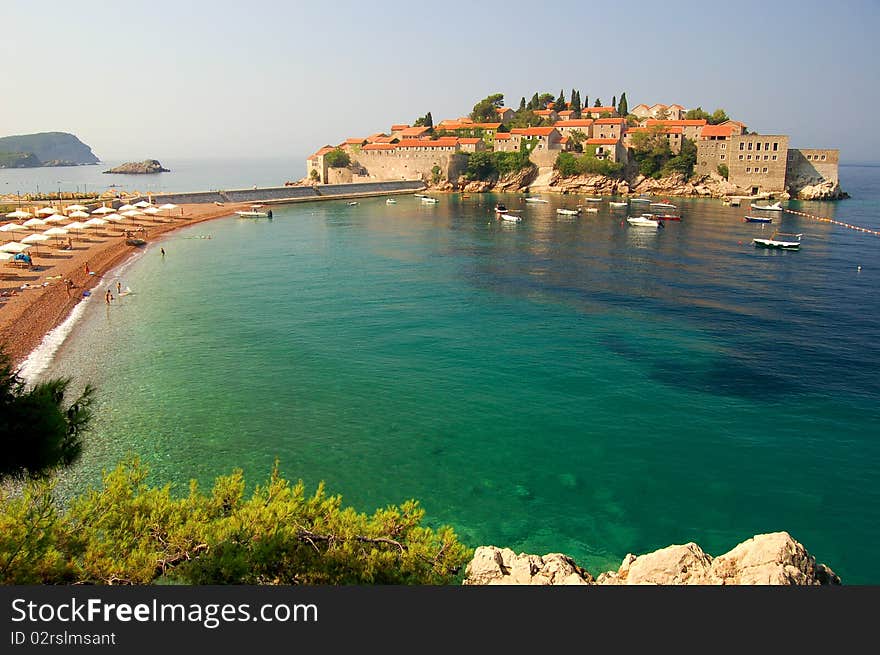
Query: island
[[565, 144], [145, 167], [44, 149]]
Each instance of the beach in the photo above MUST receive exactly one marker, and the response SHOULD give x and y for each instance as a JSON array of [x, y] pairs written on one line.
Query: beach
[[32, 312]]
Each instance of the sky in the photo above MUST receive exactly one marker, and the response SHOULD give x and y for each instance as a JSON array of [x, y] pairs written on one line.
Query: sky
[[258, 79]]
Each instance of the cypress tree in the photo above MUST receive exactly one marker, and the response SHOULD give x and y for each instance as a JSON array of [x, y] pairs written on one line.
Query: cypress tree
[[429, 120], [623, 108], [559, 105], [613, 101], [535, 103], [522, 104]]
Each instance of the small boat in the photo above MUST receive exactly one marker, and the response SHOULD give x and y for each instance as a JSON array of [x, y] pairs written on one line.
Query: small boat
[[511, 218], [663, 205], [775, 207], [779, 244], [592, 210], [668, 217], [500, 208], [589, 199], [568, 212], [757, 219], [390, 201], [533, 199], [255, 212], [617, 205], [641, 200], [132, 241], [428, 200], [641, 221], [352, 203]]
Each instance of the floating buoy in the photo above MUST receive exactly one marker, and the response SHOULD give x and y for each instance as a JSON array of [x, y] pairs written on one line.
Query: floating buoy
[[859, 268]]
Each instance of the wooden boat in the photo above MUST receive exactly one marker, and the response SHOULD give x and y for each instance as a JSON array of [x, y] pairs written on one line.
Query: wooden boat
[[775, 207], [568, 212], [532, 199], [757, 219], [511, 218], [644, 201], [641, 221], [617, 205], [779, 244]]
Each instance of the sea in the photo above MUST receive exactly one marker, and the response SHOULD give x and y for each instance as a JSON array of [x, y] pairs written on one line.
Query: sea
[[560, 384]]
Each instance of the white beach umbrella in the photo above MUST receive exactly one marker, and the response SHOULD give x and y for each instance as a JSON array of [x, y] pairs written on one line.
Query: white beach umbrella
[[55, 232], [76, 208], [46, 211], [114, 217], [151, 210], [34, 238], [14, 246], [143, 203], [33, 223], [6, 256], [55, 218], [168, 206], [133, 212], [76, 225], [104, 210], [125, 208], [95, 221], [78, 214], [10, 227], [18, 214]]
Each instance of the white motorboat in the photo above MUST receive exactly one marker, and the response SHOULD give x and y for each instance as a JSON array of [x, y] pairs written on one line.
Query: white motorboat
[[779, 244], [390, 201], [663, 205], [568, 212], [589, 199], [775, 207], [617, 205], [532, 199], [641, 221], [592, 210], [511, 218], [256, 211], [352, 203], [428, 200]]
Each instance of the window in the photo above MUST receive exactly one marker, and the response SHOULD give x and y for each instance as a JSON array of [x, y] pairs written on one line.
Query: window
[[750, 145], [767, 146], [775, 146], [740, 157], [773, 158], [790, 157], [764, 170], [766, 157], [742, 146], [823, 157], [749, 157], [758, 146], [748, 170], [722, 157], [723, 146], [809, 157]]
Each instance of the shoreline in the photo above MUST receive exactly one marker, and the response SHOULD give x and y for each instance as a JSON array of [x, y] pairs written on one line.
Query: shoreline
[[27, 318]]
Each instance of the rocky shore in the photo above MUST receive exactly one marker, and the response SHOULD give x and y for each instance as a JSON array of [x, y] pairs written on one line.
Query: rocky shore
[[145, 167], [707, 186], [766, 559]]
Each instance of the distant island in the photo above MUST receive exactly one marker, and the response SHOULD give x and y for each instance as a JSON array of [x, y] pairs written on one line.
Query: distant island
[[44, 149], [145, 167]]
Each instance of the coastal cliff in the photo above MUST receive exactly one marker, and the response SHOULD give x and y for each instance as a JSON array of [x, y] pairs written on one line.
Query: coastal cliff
[[145, 167], [766, 559], [44, 149]]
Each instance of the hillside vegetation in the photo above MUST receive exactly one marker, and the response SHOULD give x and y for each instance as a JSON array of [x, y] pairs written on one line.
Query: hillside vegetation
[[48, 148]]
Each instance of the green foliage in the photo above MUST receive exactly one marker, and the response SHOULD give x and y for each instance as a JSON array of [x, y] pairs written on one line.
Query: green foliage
[[522, 104], [435, 174], [718, 116], [723, 171], [632, 120], [545, 99], [613, 101], [484, 110], [696, 114], [424, 121], [39, 431], [487, 166], [684, 161], [576, 105], [50, 146], [337, 158], [598, 103], [19, 160], [715, 118], [651, 151], [568, 165], [534, 103], [576, 139], [129, 532], [622, 106], [559, 103], [527, 118]]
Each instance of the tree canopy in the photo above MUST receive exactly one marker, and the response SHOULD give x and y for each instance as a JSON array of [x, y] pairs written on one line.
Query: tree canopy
[[622, 106], [424, 121], [715, 118], [337, 158], [40, 430], [484, 110]]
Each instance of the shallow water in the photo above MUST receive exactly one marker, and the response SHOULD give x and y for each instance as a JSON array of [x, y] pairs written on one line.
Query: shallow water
[[560, 384]]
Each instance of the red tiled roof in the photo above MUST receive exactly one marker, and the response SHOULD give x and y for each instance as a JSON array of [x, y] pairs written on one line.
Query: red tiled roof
[[533, 131], [564, 139], [380, 146], [543, 112], [609, 121], [444, 142], [734, 123], [601, 142], [681, 123], [398, 127], [575, 122], [717, 130], [323, 151], [501, 110], [470, 140], [503, 136], [414, 131], [383, 139], [600, 110], [566, 112], [455, 125], [354, 141]]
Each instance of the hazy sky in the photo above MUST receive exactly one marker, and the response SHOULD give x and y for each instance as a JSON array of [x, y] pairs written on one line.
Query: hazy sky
[[255, 79]]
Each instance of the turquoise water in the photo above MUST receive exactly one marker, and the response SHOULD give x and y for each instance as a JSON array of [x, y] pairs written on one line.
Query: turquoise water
[[557, 385]]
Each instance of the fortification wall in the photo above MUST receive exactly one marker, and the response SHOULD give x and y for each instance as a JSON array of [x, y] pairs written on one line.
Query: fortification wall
[[394, 165], [292, 193], [811, 166]]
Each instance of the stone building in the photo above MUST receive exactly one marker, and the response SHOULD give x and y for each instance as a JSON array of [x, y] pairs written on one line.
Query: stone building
[[609, 128], [316, 163], [504, 114], [691, 129], [584, 125], [472, 144], [413, 159], [549, 114], [811, 166], [507, 142], [596, 112], [607, 149], [674, 137], [659, 111]]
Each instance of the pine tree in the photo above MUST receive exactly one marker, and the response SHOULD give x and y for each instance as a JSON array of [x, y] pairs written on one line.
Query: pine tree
[[560, 101], [535, 103], [623, 108], [429, 120], [598, 103]]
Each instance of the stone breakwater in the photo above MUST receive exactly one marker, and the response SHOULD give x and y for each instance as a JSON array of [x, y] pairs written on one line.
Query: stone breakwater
[[766, 559]]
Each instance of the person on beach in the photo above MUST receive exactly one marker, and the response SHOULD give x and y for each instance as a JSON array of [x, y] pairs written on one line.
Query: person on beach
[[118, 288], [86, 267], [108, 297], [163, 251], [69, 284]]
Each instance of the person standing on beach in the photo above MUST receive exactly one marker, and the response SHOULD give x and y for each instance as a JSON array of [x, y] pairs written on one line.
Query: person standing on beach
[[108, 297], [163, 251], [118, 288]]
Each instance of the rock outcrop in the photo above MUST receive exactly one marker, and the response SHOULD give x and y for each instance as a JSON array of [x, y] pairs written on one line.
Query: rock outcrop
[[828, 190], [145, 167], [766, 559]]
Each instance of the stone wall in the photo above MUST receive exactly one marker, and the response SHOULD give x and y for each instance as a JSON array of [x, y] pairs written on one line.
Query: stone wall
[[293, 193], [758, 161], [811, 166], [414, 164]]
